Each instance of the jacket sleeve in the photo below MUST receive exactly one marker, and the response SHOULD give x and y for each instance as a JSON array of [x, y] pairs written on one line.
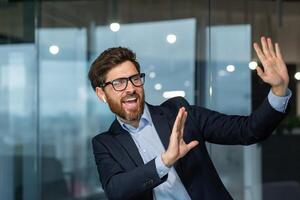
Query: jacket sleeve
[[119, 183], [219, 128]]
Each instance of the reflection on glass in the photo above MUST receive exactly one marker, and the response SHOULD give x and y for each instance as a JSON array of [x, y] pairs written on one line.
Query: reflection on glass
[[64, 124], [48, 111], [18, 153], [239, 167], [71, 114], [166, 64]]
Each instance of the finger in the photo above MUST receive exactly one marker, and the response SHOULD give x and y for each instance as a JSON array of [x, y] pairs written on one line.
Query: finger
[[259, 52], [177, 121], [174, 142], [277, 49], [183, 122], [181, 126], [271, 48], [192, 144], [180, 121], [265, 47], [260, 72]]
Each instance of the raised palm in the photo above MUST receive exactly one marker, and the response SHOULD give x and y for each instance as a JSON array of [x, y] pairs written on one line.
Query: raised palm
[[274, 70], [177, 147]]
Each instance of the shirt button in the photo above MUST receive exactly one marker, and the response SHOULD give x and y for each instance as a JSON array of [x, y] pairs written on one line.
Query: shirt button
[[144, 150]]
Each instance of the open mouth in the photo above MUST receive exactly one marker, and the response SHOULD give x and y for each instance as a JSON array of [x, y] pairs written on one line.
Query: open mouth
[[130, 103]]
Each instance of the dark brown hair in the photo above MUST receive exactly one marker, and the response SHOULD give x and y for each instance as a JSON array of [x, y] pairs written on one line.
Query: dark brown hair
[[107, 60]]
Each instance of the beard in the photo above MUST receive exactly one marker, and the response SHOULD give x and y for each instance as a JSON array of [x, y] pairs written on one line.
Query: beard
[[134, 114]]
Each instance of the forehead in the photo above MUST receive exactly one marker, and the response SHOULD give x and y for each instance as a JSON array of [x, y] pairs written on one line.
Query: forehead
[[124, 69]]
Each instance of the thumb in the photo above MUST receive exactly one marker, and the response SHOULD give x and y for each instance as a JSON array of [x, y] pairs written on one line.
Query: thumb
[[260, 72], [192, 144]]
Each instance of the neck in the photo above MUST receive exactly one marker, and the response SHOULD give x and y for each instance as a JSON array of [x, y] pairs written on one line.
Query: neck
[[134, 123]]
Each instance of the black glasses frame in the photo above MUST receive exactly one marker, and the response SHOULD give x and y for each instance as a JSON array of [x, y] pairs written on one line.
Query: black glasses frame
[[141, 76]]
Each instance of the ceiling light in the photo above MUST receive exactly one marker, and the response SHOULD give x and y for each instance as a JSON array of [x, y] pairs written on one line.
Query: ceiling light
[[171, 38], [152, 74], [230, 68], [157, 86], [297, 75], [54, 49], [252, 65], [114, 27]]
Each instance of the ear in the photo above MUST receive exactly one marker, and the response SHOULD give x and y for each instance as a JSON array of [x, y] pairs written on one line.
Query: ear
[[101, 95]]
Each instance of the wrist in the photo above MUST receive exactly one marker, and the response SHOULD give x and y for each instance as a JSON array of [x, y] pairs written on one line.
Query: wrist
[[166, 160], [279, 90]]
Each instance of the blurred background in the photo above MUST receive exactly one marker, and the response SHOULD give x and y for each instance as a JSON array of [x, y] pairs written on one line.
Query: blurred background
[[201, 50]]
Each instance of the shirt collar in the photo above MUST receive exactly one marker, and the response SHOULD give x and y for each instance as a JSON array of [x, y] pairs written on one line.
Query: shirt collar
[[144, 121]]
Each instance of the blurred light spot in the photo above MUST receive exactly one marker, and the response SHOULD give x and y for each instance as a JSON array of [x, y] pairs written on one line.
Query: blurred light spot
[[114, 27], [152, 74], [170, 94], [54, 49], [222, 73], [252, 65], [230, 68], [82, 94], [151, 67], [210, 91], [187, 83], [171, 38], [297, 76], [157, 86]]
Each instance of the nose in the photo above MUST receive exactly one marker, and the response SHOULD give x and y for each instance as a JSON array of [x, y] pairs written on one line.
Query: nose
[[130, 87]]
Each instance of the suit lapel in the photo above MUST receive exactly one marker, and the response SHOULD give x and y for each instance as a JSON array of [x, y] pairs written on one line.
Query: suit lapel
[[161, 124], [127, 142], [163, 127]]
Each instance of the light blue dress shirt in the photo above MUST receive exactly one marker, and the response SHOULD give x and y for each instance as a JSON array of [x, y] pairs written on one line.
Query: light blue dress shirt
[[150, 147]]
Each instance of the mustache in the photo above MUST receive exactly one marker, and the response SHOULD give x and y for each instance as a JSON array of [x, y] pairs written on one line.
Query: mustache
[[129, 96]]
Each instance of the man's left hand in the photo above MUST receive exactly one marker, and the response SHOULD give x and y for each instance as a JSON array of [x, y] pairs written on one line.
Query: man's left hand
[[274, 70]]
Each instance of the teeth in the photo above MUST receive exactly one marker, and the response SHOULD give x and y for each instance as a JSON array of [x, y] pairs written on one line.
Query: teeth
[[131, 99]]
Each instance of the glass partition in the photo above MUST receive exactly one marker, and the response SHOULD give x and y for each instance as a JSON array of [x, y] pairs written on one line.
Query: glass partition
[[18, 122], [229, 92], [197, 49]]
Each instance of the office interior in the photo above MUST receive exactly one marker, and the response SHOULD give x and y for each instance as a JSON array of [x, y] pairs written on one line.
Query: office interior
[[199, 49]]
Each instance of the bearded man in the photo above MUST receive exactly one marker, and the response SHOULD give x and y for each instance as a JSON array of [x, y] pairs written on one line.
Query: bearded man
[[159, 152]]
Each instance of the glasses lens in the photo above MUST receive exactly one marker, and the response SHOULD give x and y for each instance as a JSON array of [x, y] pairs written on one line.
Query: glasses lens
[[120, 84], [137, 80]]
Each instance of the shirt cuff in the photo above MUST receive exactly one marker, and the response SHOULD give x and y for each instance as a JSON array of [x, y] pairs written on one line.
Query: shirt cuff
[[161, 168], [279, 103]]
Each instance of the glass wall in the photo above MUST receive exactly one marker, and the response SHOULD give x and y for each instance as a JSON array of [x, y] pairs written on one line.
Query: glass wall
[[261, 171], [197, 49], [19, 166]]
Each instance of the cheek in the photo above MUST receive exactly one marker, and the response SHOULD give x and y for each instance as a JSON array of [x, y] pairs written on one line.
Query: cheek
[[140, 91], [114, 97]]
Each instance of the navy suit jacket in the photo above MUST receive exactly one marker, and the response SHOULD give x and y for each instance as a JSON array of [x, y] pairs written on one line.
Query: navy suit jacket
[[124, 175]]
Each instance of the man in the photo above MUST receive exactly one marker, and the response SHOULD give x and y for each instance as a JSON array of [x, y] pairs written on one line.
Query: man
[[159, 152]]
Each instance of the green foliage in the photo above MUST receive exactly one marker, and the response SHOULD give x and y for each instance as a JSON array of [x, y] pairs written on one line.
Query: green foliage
[[288, 124]]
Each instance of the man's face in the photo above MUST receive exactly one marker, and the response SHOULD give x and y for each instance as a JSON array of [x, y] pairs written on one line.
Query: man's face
[[129, 103]]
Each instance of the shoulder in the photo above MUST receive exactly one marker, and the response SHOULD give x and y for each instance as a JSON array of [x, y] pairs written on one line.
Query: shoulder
[[107, 135], [170, 106], [176, 102], [101, 138]]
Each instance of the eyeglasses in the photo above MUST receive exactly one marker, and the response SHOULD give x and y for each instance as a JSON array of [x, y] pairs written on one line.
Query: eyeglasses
[[121, 83]]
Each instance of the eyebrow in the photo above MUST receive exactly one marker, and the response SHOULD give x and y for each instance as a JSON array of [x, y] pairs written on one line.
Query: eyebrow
[[122, 77]]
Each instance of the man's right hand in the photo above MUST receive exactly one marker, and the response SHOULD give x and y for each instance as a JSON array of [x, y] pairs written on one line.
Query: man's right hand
[[177, 147]]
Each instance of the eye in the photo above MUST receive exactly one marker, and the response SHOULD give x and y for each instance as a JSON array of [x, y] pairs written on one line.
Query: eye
[[120, 82], [136, 78]]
